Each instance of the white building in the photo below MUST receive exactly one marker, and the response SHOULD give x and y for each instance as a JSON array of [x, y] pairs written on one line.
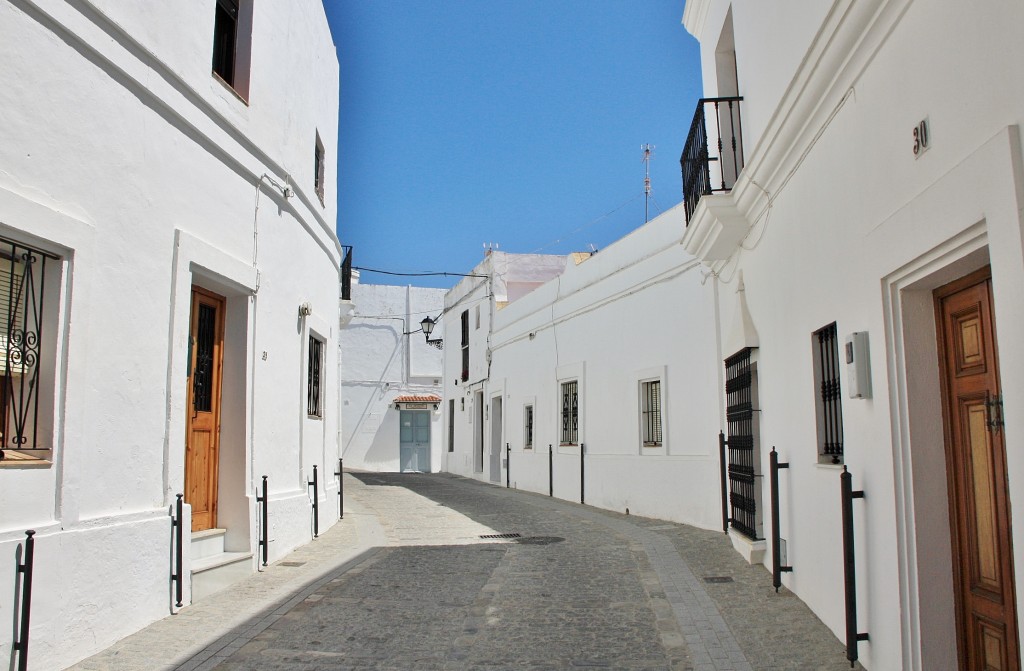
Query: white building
[[169, 272], [391, 380], [869, 192]]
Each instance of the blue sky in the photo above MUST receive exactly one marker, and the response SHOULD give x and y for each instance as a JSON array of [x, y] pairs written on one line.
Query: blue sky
[[515, 122]]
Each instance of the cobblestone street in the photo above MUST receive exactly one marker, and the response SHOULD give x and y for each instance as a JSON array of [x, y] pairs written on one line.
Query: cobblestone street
[[405, 581]]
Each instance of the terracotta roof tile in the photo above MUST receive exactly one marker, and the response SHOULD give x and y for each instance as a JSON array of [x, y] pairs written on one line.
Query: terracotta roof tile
[[418, 399]]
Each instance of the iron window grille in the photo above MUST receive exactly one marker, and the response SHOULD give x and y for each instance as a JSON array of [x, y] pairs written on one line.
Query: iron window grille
[[829, 399], [650, 412], [465, 345], [313, 379], [528, 429], [225, 36], [23, 273], [743, 462], [570, 413]]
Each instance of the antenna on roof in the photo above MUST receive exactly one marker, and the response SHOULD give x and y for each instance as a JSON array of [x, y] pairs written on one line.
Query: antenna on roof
[[647, 148]]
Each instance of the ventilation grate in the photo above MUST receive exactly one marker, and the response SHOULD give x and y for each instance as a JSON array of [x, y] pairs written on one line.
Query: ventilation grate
[[501, 536], [718, 578], [292, 563]]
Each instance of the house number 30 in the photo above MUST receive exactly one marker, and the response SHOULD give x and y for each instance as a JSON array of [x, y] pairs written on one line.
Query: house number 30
[[921, 139]]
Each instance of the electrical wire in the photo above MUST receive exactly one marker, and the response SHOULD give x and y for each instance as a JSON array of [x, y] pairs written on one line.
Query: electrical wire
[[426, 274], [588, 224]]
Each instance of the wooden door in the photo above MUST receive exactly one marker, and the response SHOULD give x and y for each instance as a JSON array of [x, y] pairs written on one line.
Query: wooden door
[[202, 436], [979, 504]]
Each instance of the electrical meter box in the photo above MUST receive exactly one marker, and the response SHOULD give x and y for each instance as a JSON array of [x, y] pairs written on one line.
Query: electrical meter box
[[858, 365]]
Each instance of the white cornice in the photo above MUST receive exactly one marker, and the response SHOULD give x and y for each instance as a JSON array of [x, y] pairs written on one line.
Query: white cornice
[[694, 16]]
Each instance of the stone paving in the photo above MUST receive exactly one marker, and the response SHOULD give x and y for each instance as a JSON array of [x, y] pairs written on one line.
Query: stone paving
[[406, 582]]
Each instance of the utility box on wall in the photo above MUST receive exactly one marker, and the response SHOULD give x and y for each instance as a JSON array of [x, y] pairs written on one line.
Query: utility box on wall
[[858, 365]]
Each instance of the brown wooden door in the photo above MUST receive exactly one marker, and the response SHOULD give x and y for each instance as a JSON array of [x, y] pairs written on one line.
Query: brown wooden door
[[976, 469], [202, 436]]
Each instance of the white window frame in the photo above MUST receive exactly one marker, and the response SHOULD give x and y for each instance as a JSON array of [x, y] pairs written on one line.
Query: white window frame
[[645, 376]]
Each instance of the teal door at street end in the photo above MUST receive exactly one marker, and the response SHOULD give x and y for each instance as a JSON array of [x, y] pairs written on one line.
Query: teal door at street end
[[414, 447]]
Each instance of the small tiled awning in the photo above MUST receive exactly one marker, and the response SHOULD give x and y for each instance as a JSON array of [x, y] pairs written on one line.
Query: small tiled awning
[[417, 402], [418, 399]]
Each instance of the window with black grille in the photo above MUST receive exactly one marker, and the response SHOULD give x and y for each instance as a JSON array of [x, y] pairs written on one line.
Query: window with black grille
[[451, 425], [528, 428], [743, 459], [314, 391], [27, 303], [650, 413], [465, 345], [828, 400], [570, 413]]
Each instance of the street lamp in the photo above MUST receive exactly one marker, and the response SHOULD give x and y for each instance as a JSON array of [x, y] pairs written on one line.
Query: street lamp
[[428, 327]]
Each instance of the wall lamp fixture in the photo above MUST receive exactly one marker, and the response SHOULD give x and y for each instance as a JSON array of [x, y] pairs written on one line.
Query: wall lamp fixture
[[428, 327]]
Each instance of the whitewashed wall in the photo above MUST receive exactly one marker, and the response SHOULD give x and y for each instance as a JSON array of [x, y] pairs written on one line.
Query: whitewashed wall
[[834, 219], [126, 158], [634, 311], [383, 357]]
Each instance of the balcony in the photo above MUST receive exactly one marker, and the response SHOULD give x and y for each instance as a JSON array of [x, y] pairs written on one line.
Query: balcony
[[719, 120]]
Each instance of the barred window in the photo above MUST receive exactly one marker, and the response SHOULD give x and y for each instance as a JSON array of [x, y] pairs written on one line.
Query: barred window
[[29, 284], [650, 413], [828, 400], [451, 424], [465, 345], [570, 413], [528, 428], [314, 383]]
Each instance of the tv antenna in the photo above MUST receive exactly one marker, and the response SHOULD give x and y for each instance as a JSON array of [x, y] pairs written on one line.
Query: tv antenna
[[647, 149]]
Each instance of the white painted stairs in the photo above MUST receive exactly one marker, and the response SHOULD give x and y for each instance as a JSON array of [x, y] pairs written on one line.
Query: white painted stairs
[[213, 568]]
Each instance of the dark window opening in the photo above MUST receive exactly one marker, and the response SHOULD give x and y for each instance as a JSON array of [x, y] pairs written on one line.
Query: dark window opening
[[451, 425], [465, 345], [650, 411], [318, 168], [829, 400], [225, 35], [570, 413], [528, 429], [313, 381]]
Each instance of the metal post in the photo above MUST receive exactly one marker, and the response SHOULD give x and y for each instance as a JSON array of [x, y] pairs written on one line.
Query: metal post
[[583, 449], [179, 534], [508, 464], [263, 501], [849, 565], [722, 443], [25, 568], [341, 490], [316, 504], [551, 471], [777, 568]]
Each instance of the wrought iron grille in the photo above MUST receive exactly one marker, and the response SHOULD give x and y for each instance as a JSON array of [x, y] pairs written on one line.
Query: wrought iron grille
[[742, 460], [316, 355], [465, 345], [651, 412], [346, 275], [202, 380], [22, 291], [528, 443], [570, 413], [830, 399], [727, 150]]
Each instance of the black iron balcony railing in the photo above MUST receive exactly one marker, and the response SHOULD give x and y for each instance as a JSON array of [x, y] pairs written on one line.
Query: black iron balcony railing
[[717, 120]]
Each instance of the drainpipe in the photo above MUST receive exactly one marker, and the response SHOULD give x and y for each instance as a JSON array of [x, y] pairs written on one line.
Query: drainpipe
[[718, 349]]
